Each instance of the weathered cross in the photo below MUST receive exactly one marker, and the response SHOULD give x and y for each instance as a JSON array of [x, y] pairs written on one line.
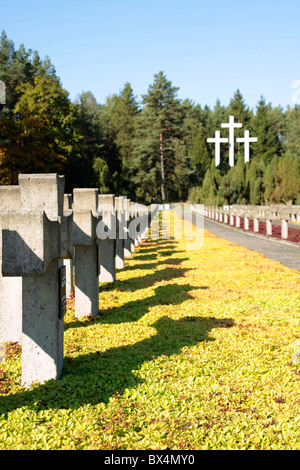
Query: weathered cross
[[217, 140], [246, 140], [231, 125]]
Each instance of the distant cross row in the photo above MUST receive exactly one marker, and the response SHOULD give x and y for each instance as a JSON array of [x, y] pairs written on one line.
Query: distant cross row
[[217, 140]]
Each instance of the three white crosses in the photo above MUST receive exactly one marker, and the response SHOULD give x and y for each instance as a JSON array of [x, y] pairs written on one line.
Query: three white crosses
[[217, 140]]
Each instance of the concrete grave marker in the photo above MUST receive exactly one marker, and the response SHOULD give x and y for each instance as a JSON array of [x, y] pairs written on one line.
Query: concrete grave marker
[[10, 330], [69, 262], [127, 240], [34, 240], [85, 240], [121, 233], [107, 232]]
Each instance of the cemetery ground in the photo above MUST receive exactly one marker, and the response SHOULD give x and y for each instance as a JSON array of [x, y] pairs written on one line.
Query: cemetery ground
[[192, 349]]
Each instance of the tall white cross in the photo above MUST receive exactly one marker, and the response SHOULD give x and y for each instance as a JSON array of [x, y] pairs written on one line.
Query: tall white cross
[[231, 125], [246, 139], [217, 140]]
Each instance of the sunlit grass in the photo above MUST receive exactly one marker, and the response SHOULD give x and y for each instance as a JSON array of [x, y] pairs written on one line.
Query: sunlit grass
[[192, 350]]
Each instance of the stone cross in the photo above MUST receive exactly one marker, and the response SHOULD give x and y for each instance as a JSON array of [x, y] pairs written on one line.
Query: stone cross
[[106, 207], [246, 140], [34, 239], [133, 215], [231, 125], [217, 140], [120, 230], [69, 262], [85, 219], [10, 330], [127, 241]]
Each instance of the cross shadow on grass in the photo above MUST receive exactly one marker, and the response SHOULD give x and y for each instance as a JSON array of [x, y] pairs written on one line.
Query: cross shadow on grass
[[141, 282], [170, 294], [96, 377], [155, 244], [168, 261], [146, 257], [152, 248]]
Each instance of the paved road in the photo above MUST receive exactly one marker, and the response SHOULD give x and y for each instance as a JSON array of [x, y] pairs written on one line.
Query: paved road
[[277, 250]]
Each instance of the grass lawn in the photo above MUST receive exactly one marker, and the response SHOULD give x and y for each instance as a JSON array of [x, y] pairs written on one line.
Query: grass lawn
[[193, 349]]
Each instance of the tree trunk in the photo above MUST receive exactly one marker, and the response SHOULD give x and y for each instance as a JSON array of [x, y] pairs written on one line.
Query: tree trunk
[[162, 168]]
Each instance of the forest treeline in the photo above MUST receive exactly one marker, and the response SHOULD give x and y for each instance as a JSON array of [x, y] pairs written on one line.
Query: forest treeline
[[150, 150]]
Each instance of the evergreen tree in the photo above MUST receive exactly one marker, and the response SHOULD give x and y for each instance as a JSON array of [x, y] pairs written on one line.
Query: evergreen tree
[[267, 145], [239, 109], [159, 149], [292, 123], [209, 189], [199, 155], [155, 153], [271, 183], [242, 114], [92, 143], [284, 174], [102, 174], [37, 123], [213, 121], [124, 122], [289, 168], [255, 182], [111, 155], [193, 116], [233, 184], [278, 122]]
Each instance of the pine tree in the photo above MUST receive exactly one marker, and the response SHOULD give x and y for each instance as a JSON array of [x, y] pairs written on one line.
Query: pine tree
[[271, 183], [103, 177], [286, 181], [92, 142], [255, 182], [208, 190], [199, 154], [291, 178], [278, 122], [159, 148], [292, 123], [195, 135], [267, 145], [239, 109], [242, 114], [233, 184], [110, 155], [124, 121]]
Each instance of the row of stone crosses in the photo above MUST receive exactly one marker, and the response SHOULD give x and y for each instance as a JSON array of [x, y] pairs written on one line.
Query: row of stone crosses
[[44, 233], [217, 140]]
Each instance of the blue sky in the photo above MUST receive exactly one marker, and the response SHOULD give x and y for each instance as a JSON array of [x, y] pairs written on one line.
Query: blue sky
[[208, 49]]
